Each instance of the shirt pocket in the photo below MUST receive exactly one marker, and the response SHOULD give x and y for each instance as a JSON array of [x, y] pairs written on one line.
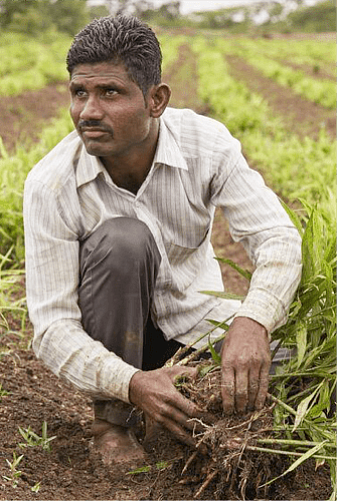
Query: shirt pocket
[[188, 249]]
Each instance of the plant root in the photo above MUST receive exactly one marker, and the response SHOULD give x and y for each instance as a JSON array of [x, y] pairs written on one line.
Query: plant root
[[206, 483], [232, 462]]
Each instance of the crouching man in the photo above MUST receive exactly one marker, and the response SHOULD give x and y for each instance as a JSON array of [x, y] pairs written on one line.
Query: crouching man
[[118, 220]]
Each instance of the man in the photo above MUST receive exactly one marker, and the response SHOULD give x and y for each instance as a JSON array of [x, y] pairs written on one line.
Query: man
[[118, 219]]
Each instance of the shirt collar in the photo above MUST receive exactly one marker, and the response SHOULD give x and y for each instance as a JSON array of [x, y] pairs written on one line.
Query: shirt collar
[[168, 151], [88, 167]]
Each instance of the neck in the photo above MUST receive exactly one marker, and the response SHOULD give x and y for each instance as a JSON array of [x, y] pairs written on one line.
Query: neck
[[130, 170]]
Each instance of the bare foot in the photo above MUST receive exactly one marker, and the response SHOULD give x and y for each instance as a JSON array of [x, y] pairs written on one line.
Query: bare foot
[[117, 445]]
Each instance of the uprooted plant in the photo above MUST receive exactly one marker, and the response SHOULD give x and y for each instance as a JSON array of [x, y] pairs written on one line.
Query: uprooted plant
[[298, 421]]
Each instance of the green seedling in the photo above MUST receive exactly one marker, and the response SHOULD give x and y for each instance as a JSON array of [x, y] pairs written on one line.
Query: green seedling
[[36, 487], [3, 392], [15, 474], [34, 440], [161, 465]]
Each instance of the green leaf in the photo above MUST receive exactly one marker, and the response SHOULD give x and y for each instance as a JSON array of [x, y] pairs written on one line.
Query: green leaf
[[293, 217], [305, 456], [313, 246], [162, 465], [223, 295], [299, 461], [141, 469], [205, 369], [303, 406], [245, 273], [220, 325], [301, 341], [216, 357]]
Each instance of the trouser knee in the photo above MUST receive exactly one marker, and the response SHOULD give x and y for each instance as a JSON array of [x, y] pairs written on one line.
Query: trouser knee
[[122, 245]]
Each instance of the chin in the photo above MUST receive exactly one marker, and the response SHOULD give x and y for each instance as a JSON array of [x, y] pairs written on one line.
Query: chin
[[95, 150]]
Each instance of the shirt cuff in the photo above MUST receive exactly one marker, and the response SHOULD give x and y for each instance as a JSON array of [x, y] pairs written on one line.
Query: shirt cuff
[[113, 369], [264, 308]]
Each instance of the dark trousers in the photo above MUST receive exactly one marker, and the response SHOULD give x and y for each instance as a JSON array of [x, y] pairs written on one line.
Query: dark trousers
[[119, 266]]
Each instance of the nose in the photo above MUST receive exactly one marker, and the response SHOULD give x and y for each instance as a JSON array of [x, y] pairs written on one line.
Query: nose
[[92, 109]]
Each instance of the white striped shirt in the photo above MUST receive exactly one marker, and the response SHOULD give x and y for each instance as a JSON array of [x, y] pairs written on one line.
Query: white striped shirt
[[198, 166]]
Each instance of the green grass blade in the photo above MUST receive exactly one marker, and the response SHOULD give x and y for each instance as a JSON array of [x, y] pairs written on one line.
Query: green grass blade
[[223, 295], [245, 273]]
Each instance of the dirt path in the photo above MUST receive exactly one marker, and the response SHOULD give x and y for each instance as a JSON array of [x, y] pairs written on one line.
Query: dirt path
[[316, 71], [300, 116], [72, 470], [23, 117]]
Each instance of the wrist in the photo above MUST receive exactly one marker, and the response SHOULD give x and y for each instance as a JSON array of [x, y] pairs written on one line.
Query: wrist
[[251, 325], [133, 387]]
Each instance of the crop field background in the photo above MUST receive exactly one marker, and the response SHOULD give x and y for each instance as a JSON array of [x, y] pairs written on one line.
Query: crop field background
[[277, 96]]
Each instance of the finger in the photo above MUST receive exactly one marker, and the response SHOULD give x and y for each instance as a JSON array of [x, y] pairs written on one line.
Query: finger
[[253, 388], [152, 428], [180, 433], [179, 371], [228, 390], [263, 388], [188, 414], [187, 409], [241, 391]]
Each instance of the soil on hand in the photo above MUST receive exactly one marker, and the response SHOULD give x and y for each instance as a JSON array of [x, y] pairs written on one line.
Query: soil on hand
[[68, 467]]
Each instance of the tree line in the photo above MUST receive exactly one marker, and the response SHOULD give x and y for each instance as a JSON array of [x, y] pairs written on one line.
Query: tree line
[[69, 16]]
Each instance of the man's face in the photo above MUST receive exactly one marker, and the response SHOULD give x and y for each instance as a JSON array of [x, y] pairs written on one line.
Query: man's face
[[108, 110]]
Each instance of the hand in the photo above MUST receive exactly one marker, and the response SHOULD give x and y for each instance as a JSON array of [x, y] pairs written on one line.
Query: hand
[[245, 360], [155, 393]]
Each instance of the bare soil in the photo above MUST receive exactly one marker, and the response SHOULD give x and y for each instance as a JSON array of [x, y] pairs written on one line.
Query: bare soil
[[73, 470], [300, 116], [315, 71], [23, 117], [31, 395]]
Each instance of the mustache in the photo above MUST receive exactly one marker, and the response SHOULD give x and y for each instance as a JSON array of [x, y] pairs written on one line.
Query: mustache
[[87, 124]]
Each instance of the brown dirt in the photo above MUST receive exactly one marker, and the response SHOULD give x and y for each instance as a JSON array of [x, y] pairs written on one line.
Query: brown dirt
[[329, 36], [23, 117], [300, 116], [72, 470], [315, 71]]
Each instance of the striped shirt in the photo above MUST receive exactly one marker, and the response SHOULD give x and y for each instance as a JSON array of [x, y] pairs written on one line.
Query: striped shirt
[[198, 166]]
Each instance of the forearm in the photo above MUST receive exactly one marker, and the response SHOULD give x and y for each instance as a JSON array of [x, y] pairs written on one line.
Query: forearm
[[71, 354], [275, 279]]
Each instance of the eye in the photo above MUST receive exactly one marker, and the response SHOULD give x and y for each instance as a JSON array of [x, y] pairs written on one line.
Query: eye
[[110, 92], [79, 93]]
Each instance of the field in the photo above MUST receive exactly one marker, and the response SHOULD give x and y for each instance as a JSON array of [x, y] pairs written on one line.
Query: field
[[277, 96]]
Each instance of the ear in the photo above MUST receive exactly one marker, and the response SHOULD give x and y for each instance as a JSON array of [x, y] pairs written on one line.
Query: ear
[[159, 96]]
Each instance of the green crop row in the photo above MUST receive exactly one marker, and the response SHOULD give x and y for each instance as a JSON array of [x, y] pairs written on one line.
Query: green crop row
[[13, 172], [13, 59], [294, 167], [170, 48], [28, 64], [321, 91], [302, 51], [31, 65], [316, 56]]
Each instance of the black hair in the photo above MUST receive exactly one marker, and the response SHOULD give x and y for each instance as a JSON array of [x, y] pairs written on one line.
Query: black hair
[[120, 39]]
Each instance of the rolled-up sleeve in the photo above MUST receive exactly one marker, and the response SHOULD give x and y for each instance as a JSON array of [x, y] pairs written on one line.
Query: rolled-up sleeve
[[52, 280]]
